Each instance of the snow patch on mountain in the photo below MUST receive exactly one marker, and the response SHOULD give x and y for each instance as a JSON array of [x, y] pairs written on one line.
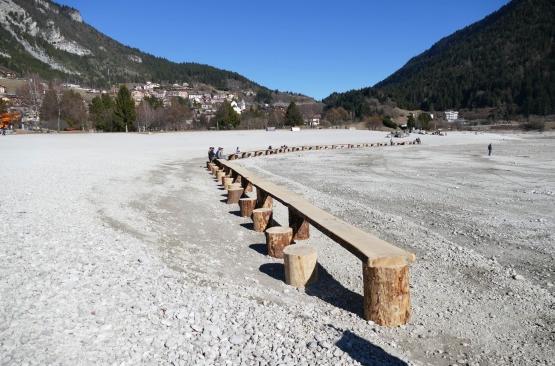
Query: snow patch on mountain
[[135, 58], [53, 36], [75, 15], [4, 54]]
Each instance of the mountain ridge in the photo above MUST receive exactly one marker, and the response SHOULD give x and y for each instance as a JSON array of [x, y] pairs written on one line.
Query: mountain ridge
[[504, 61], [41, 36]]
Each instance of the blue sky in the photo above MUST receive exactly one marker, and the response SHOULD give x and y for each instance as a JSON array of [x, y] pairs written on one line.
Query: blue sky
[[311, 47]]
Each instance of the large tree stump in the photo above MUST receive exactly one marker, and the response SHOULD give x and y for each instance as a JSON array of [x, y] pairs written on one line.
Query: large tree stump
[[263, 199], [220, 176], [300, 265], [261, 218], [386, 294], [234, 185], [222, 179], [247, 186], [246, 205], [234, 195], [299, 225], [227, 182], [277, 238]]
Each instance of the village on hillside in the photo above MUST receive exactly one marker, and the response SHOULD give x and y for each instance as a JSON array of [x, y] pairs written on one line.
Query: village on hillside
[[23, 99]]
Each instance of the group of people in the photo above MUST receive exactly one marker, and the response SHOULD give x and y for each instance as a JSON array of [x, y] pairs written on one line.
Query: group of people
[[214, 154]]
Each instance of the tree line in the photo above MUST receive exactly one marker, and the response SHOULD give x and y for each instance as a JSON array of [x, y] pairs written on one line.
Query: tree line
[[60, 109]]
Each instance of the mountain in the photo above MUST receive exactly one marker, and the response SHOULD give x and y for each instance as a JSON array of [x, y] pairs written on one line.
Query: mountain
[[52, 40], [505, 61]]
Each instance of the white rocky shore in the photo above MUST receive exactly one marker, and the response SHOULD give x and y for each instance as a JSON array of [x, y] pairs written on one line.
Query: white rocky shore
[[116, 249]]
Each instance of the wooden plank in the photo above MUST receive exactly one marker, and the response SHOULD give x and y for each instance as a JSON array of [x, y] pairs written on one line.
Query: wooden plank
[[367, 247]]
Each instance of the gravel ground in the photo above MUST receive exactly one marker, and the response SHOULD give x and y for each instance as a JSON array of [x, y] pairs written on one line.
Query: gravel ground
[[116, 249], [482, 229]]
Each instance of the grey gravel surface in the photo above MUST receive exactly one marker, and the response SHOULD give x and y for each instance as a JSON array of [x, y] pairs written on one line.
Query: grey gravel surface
[[117, 249], [482, 229]]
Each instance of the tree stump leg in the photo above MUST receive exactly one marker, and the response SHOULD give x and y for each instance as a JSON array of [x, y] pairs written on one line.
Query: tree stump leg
[[227, 182], [277, 238], [263, 200], [300, 265], [261, 218], [220, 176], [234, 195], [224, 177], [386, 294], [246, 205], [299, 225]]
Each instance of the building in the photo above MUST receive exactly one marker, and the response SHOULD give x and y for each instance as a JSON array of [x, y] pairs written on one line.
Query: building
[[137, 96], [7, 73], [177, 94], [238, 107], [314, 121], [451, 116]]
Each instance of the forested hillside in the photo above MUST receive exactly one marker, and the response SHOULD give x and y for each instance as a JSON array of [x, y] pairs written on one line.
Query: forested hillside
[[505, 61], [52, 40]]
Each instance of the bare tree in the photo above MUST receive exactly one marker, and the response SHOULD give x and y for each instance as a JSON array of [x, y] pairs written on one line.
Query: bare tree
[[74, 109], [31, 94], [374, 122], [146, 116]]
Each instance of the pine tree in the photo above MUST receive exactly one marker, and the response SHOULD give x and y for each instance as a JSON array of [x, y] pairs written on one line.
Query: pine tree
[[411, 122], [293, 116], [124, 111], [3, 106], [226, 117]]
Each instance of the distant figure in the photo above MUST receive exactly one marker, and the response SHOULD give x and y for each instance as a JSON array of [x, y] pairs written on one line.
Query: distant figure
[[211, 154], [489, 150], [391, 142], [237, 151], [270, 147]]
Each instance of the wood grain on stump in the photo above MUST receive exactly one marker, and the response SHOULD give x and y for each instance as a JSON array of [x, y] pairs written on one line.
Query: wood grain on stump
[[261, 218], [227, 182], [277, 238], [220, 176], [299, 225], [246, 205], [234, 195], [235, 185], [300, 265], [386, 294], [222, 179]]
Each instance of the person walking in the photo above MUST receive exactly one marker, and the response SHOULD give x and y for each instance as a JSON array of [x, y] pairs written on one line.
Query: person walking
[[489, 150]]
